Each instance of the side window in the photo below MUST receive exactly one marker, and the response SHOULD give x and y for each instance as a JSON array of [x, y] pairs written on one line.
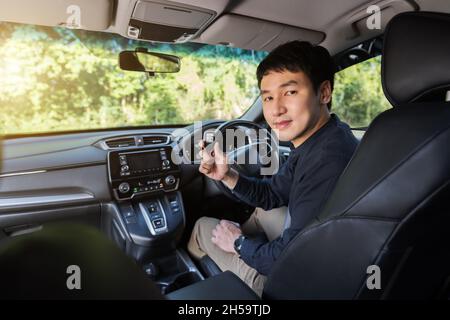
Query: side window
[[358, 96]]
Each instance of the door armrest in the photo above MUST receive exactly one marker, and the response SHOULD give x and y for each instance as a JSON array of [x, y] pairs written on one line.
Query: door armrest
[[225, 286]]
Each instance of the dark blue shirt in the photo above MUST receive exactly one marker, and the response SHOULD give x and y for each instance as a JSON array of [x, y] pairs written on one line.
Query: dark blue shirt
[[303, 183]]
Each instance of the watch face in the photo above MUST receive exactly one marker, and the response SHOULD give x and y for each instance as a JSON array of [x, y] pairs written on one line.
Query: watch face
[[238, 243]]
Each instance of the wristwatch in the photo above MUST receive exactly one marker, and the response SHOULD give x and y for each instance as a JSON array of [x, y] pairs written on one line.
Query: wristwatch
[[238, 243]]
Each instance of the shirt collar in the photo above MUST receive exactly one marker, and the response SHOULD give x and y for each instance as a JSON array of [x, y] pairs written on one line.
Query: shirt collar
[[332, 122]]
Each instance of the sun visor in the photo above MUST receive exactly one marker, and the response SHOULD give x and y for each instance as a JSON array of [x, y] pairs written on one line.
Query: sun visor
[[83, 14], [249, 33]]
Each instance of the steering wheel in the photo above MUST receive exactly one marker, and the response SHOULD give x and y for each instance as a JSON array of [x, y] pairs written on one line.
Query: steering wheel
[[257, 158]]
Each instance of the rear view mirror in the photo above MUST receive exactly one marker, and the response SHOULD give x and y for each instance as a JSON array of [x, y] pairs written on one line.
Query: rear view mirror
[[151, 62]]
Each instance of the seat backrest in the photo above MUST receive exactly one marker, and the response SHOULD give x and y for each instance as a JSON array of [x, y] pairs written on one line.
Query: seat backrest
[[70, 261], [391, 207]]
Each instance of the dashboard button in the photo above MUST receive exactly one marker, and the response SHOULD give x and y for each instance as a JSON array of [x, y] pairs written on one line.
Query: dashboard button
[[170, 180], [174, 203], [124, 187]]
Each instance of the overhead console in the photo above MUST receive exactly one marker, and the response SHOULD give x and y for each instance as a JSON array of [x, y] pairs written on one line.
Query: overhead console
[[135, 172], [165, 22]]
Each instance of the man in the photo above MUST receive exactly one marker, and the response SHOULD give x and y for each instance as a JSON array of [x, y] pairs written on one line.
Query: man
[[296, 82]]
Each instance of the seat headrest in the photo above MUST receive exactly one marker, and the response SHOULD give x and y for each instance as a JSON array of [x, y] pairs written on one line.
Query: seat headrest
[[416, 58]]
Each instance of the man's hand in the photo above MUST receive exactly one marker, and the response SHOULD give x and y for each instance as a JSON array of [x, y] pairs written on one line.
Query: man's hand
[[224, 235], [214, 162], [214, 165]]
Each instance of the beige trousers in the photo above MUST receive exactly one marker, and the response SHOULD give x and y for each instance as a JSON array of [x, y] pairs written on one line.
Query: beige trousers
[[270, 222]]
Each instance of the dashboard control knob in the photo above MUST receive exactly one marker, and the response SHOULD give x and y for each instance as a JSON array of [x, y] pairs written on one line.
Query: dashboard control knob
[[166, 163], [170, 180], [124, 187], [124, 168]]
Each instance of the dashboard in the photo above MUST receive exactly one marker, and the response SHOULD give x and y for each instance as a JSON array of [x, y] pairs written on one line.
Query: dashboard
[[135, 185], [89, 166], [85, 167], [105, 178], [124, 182]]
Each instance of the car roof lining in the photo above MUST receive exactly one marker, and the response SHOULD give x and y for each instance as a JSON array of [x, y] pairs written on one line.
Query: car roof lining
[[340, 24]]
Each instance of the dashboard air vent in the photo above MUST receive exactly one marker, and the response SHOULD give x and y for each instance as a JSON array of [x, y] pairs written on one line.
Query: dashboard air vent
[[121, 142], [150, 140]]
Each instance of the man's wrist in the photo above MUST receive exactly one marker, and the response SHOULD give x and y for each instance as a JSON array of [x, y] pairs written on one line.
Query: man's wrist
[[231, 178]]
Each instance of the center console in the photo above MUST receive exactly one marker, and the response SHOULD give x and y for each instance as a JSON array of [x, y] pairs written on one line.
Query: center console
[[141, 172], [149, 215]]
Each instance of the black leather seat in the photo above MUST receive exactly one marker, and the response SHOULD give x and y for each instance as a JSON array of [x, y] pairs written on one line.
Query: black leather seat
[[35, 266], [208, 267], [223, 286], [391, 207]]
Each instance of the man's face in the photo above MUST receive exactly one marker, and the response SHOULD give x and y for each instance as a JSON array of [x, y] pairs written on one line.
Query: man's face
[[291, 106]]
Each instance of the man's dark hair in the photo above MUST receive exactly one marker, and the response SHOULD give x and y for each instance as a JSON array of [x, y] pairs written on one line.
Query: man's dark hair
[[296, 56]]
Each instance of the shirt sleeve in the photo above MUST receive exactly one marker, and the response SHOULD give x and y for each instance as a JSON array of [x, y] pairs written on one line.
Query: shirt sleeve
[[267, 193], [311, 194]]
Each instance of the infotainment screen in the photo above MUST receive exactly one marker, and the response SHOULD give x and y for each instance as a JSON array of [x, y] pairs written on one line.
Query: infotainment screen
[[138, 163], [142, 161]]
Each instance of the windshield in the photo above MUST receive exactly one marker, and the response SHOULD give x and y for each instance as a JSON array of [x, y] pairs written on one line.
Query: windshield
[[57, 79]]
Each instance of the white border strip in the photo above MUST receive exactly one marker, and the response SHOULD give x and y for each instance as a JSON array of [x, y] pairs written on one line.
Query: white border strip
[[4, 175], [37, 200]]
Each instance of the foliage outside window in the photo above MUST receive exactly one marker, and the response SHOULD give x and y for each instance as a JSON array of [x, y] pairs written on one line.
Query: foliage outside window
[[358, 96], [55, 79]]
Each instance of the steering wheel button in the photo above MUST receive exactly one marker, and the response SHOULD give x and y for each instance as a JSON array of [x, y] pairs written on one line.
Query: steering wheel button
[[158, 223]]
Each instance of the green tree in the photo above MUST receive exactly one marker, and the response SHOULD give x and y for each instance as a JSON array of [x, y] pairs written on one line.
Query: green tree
[[358, 96], [55, 79]]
